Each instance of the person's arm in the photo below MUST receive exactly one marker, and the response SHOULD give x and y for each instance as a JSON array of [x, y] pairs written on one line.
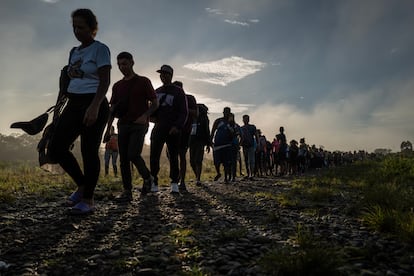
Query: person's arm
[[144, 118], [213, 130], [153, 102], [208, 133], [91, 113], [107, 134], [111, 117]]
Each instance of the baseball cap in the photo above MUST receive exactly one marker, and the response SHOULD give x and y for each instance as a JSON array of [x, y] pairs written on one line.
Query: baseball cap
[[166, 69]]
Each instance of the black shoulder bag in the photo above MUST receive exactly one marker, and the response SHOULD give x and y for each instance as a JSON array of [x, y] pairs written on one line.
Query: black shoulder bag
[[64, 80]]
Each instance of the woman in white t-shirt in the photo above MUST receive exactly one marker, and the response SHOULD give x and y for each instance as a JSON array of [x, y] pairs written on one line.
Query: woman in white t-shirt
[[86, 112]]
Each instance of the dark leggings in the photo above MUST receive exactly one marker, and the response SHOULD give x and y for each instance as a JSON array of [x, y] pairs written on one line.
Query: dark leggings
[[68, 128]]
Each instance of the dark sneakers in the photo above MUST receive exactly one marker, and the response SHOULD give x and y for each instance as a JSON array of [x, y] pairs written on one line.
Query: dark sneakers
[[217, 177], [182, 188], [146, 187], [124, 197]]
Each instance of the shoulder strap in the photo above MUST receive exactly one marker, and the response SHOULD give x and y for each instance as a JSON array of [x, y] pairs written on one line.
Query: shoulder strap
[[71, 53]]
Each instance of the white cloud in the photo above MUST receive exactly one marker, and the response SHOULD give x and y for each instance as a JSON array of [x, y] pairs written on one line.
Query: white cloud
[[216, 105], [51, 1], [214, 11], [235, 22], [220, 12], [226, 70], [230, 17]]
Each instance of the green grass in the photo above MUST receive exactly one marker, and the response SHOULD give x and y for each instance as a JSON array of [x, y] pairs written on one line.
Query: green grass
[[308, 192], [380, 192], [309, 256], [182, 237]]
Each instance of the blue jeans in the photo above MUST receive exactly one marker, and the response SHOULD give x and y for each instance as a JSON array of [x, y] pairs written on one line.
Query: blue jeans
[[108, 155], [249, 159]]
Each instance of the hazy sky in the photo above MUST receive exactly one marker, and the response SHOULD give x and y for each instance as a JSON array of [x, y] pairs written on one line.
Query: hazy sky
[[339, 73]]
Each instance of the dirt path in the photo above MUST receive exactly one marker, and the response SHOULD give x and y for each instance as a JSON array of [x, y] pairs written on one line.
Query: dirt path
[[217, 229]]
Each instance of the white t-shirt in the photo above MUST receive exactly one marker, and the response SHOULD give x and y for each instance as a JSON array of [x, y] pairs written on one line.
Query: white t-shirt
[[83, 67]]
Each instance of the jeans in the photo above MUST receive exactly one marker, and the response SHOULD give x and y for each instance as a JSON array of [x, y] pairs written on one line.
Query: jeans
[[130, 143], [108, 155], [159, 137], [249, 159]]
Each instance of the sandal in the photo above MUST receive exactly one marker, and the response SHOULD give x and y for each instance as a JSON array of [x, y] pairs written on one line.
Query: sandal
[[74, 199], [82, 208]]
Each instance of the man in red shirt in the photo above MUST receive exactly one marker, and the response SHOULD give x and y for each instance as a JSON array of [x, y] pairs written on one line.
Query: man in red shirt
[[133, 123]]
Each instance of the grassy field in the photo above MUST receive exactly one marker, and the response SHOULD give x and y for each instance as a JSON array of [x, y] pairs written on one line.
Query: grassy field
[[20, 179]]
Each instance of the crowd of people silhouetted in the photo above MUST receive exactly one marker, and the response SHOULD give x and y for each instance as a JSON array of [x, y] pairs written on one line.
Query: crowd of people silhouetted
[[180, 123]]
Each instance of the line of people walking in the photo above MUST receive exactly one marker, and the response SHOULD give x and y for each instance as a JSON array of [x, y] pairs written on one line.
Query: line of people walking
[[179, 122], [134, 101], [175, 116]]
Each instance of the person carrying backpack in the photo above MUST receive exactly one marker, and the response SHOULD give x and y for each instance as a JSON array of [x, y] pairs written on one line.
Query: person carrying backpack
[[222, 139]]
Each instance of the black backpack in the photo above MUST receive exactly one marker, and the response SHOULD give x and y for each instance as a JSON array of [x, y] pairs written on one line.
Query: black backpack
[[203, 125]]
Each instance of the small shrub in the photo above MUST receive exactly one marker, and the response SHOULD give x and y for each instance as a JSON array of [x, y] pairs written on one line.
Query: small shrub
[[407, 228], [182, 237], [315, 261], [381, 219], [388, 195]]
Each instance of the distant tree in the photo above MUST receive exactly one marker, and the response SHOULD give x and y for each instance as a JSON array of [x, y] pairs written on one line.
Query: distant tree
[[382, 151], [406, 146], [18, 147], [23, 147]]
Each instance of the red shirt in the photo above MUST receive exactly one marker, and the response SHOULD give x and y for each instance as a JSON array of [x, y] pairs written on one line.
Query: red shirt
[[140, 92], [112, 144]]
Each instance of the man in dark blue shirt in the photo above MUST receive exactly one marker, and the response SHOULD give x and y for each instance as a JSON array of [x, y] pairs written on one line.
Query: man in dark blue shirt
[[170, 119]]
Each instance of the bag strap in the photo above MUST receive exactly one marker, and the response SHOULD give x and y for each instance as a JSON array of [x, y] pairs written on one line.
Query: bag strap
[[61, 101]]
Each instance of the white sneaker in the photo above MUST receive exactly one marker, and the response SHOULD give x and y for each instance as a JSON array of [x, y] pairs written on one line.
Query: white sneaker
[[154, 187], [174, 188]]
